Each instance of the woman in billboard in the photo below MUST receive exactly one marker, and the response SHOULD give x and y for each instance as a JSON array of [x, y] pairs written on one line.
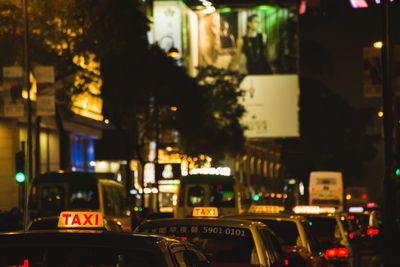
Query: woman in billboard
[[253, 47]]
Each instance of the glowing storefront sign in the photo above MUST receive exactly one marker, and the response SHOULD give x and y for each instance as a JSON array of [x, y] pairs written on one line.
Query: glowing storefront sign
[[224, 171]]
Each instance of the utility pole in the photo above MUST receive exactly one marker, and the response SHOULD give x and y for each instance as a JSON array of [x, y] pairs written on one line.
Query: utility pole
[[156, 165], [390, 228]]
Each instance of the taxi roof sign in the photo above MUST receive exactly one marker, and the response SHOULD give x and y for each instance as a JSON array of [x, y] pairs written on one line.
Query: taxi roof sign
[[308, 209], [266, 209], [205, 212], [80, 219]]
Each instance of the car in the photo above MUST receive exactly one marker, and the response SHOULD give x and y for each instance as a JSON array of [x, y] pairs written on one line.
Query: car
[[71, 247], [367, 226], [225, 242], [331, 234], [292, 230]]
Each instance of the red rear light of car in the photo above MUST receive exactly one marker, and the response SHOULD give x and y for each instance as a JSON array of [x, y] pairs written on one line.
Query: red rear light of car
[[286, 262], [342, 252], [336, 253], [372, 231], [351, 235]]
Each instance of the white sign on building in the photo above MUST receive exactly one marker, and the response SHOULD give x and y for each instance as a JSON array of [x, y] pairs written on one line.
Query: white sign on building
[[271, 103], [168, 24]]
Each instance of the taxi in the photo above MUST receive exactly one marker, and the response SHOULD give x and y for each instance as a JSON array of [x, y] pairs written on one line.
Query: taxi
[[330, 232], [293, 232], [82, 241], [224, 241]]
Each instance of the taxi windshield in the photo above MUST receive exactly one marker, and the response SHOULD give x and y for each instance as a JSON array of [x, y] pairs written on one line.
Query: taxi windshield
[[59, 197], [221, 195], [325, 229], [73, 256], [222, 245]]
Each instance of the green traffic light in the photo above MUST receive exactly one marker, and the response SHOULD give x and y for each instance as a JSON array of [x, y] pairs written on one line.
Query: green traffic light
[[397, 172], [256, 197], [20, 177]]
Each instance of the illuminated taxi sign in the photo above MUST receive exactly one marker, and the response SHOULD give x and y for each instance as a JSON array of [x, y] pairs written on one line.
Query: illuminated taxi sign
[[356, 209], [80, 219], [265, 209], [313, 209], [205, 212]]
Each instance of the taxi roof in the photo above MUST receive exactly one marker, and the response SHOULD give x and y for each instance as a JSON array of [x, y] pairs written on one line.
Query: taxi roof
[[234, 222], [84, 238], [283, 216]]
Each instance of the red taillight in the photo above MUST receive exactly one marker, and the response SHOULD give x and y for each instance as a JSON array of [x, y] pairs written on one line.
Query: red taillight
[[351, 217], [286, 262], [351, 235], [184, 238], [372, 231], [330, 253], [342, 252], [336, 253]]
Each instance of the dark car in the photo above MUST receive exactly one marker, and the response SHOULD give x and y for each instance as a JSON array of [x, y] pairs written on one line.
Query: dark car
[[332, 236], [70, 248], [366, 231]]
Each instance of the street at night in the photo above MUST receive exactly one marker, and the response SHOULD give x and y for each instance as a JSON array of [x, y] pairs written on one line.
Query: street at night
[[200, 133]]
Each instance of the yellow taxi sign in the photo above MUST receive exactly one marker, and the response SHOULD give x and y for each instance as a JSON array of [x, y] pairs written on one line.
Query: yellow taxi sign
[[205, 212], [80, 219], [265, 209], [308, 209]]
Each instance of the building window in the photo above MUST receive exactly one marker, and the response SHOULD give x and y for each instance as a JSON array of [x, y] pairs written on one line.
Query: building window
[[82, 153]]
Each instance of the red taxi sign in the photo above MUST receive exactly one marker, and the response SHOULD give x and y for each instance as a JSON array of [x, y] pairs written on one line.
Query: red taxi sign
[[80, 219], [205, 212], [266, 209]]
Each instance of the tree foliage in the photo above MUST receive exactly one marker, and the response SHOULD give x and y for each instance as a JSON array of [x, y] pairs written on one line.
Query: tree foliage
[[103, 44]]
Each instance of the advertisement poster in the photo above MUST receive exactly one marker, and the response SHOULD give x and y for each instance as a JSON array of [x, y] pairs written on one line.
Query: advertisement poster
[[260, 42], [256, 41], [168, 18], [13, 105], [46, 103], [272, 111]]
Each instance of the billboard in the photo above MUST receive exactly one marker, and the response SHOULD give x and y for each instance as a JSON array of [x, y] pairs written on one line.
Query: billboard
[[272, 111], [256, 41], [260, 42]]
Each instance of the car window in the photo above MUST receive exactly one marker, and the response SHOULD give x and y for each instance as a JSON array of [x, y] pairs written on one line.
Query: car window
[[196, 196], [52, 199], [221, 195], [310, 237], [83, 197], [108, 203], [286, 231], [272, 246]]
